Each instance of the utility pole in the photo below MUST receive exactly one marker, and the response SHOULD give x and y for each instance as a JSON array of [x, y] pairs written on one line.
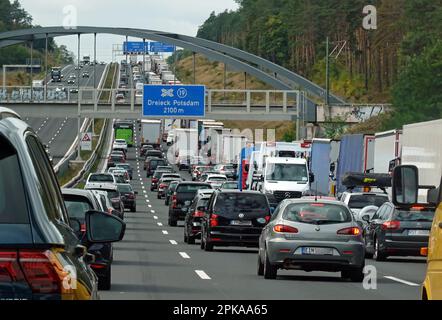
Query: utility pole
[[327, 73]]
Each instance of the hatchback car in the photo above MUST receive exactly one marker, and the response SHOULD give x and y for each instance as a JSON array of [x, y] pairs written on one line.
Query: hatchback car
[[234, 218], [119, 144], [312, 235], [128, 196], [151, 164], [215, 180], [38, 241], [127, 167], [98, 179], [192, 221], [163, 185], [170, 191], [397, 232], [114, 159], [156, 178]]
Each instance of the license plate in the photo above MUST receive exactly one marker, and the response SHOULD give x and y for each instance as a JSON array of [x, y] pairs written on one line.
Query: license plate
[[418, 232], [240, 223], [197, 224], [317, 251]]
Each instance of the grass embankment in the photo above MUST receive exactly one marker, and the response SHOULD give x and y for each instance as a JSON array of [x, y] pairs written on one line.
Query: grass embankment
[[109, 83]]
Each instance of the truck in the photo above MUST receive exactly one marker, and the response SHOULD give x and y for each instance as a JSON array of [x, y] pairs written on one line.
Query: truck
[[56, 74], [323, 160], [151, 131], [421, 147], [124, 130], [231, 148], [387, 150], [86, 60], [356, 154]]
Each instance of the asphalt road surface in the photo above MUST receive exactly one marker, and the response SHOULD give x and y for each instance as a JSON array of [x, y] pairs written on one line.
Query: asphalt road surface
[[60, 133], [153, 262]]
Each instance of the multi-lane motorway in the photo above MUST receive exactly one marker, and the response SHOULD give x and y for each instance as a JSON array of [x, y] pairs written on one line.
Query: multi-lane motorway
[[153, 262], [60, 133]]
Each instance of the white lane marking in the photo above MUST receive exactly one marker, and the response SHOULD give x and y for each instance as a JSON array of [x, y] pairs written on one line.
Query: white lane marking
[[184, 255], [144, 191], [153, 211], [149, 206], [402, 281], [165, 232], [173, 242], [142, 187], [159, 224], [202, 275], [155, 217]]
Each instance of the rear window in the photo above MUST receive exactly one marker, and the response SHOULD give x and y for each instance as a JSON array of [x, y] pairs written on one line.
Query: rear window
[[113, 194], [120, 179], [154, 154], [230, 185], [116, 158], [228, 203], [176, 176], [418, 216], [13, 208], [156, 163], [191, 188], [317, 213], [203, 202], [101, 178], [362, 201], [77, 207], [124, 188], [217, 179]]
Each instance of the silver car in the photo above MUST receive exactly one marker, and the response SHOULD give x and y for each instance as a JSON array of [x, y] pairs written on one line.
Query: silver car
[[312, 235]]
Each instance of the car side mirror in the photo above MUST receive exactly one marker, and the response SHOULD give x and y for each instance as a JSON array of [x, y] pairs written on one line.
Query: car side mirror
[[311, 177], [405, 185], [366, 218], [102, 227]]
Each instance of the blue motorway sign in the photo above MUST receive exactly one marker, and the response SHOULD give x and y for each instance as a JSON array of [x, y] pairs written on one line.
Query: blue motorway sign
[[135, 47], [161, 47], [174, 101]]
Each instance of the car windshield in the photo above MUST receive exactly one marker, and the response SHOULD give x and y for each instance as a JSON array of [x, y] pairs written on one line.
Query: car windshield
[[228, 203], [191, 188], [124, 188], [101, 178], [317, 213], [410, 216], [286, 172], [77, 208], [117, 158], [120, 179], [203, 202], [364, 200], [155, 163], [230, 185], [111, 194]]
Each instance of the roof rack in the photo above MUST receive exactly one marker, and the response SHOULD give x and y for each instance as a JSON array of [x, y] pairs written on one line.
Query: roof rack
[[354, 180]]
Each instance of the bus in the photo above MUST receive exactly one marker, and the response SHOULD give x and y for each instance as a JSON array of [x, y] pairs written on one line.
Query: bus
[[125, 130]]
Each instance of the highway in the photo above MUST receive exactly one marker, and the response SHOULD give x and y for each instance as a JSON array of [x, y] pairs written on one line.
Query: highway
[[153, 262], [59, 133]]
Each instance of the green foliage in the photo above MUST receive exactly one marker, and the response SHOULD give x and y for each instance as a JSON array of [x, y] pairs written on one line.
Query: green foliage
[[335, 128]]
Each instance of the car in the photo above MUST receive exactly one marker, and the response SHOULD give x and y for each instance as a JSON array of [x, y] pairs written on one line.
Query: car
[[151, 164], [395, 231], [170, 139], [216, 180], [119, 153], [71, 81], [98, 179], [144, 149], [121, 173], [170, 191], [129, 196], [167, 168], [312, 235], [183, 162], [114, 159], [113, 195], [77, 203], [73, 90], [35, 256], [192, 221], [157, 176], [163, 185], [196, 161], [230, 185], [181, 198], [226, 169], [205, 174], [85, 75], [356, 201], [106, 204], [152, 153], [234, 218], [127, 167], [120, 98], [119, 144], [102, 63], [198, 170]]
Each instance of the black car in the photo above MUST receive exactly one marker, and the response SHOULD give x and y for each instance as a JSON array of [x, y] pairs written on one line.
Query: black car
[[128, 196], [163, 186], [181, 198], [192, 222], [397, 231], [151, 164], [234, 218], [77, 203], [38, 241], [170, 191], [156, 178], [127, 167]]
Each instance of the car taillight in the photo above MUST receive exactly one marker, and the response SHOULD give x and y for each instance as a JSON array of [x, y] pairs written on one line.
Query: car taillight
[[281, 228], [214, 220], [43, 271], [174, 200], [391, 225], [9, 268], [83, 227], [198, 214], [162, 186], [352, 231], [154, 180], [131, 196]]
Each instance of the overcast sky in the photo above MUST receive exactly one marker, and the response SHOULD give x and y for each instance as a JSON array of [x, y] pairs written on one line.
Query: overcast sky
[[180, 16]]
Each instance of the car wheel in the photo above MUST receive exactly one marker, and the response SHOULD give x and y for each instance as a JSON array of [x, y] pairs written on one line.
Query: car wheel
[[378, 254], [260, 266], [185, 237], [158, 196], [172, 223], [133, 209], [166, 202], [104, 283], [270, 271], [190, 240], [208, 246]]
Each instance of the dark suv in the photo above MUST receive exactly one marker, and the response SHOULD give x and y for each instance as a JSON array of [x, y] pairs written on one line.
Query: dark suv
[[41, 257], [234, 218], [151, 164]]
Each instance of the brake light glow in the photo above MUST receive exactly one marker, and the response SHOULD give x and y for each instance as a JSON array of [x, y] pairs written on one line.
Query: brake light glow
[[174, 200], [198, 214], [352, 231], [98, 266], [9, 267], [214, 220], [391, 225], [162, 186], [268, 218], [83, 227], [280, 228], [317, 205]]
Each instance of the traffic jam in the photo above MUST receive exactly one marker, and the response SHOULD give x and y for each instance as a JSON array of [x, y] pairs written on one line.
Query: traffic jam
[[312, 206]]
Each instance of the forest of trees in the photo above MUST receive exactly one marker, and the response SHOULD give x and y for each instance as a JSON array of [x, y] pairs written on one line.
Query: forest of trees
[[14, 17], [400, 62]]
